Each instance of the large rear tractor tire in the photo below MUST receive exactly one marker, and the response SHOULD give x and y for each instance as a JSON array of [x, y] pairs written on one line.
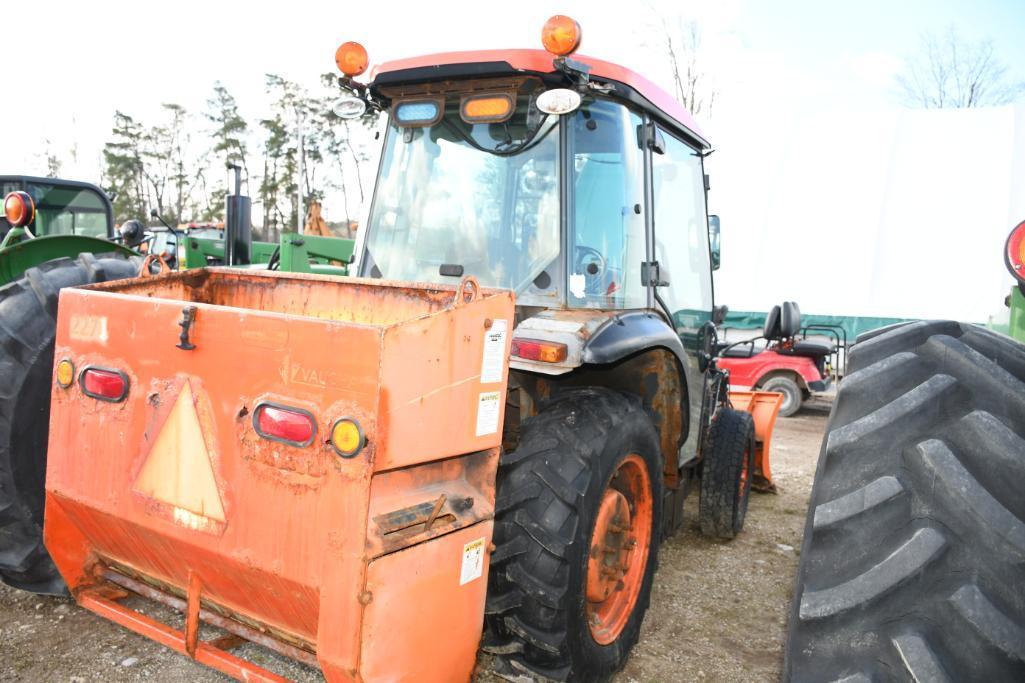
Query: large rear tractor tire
[[726, 474], [913, 561], [577, 530], [28, 315]]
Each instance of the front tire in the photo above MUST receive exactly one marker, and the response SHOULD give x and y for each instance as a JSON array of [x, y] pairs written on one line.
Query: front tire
[[577, 529], [726, 474]]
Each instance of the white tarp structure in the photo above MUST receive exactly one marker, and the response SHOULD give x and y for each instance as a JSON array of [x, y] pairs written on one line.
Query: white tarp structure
[[888, 214]]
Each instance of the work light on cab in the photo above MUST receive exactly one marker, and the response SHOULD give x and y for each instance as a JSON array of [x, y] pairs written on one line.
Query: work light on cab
[[19, 209], [1014, 252], [561, 35], [351, 58], [558, 101], [293, 426], [418, 113]]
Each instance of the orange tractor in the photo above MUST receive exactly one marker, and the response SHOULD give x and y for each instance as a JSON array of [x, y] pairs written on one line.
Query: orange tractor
[[491, 429]]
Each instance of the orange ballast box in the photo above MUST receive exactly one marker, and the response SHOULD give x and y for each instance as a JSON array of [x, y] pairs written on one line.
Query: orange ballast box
[[218, 484]]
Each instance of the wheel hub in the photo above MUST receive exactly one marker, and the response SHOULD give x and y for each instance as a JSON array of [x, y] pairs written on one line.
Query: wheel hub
[[611, 547], [618, 555]]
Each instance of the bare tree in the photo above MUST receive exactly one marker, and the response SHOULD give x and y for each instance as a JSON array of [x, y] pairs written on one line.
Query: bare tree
[[679, 39], [952, 73]]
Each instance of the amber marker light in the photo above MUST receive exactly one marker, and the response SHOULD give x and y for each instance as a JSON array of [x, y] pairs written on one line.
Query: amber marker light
[[351, 59], [561, 35], [19, 209], [347, 437], [486, 108], [65, 373]]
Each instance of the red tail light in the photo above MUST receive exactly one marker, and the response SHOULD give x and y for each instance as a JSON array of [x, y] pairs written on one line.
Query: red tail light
[[293, 426], [105, 385], [1014, 252], [536, 349]]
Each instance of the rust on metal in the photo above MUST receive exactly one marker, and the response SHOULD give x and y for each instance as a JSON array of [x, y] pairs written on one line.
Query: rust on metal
[[207, 615], [287, 539], [192, 615], [438, 504], [205, 653]]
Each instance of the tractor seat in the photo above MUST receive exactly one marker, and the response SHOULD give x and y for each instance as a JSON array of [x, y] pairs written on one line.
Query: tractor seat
[[810, 349]]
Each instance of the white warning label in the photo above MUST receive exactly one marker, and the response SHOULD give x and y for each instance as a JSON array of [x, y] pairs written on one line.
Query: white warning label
[[487, 412], [473, 561], [493, 364]]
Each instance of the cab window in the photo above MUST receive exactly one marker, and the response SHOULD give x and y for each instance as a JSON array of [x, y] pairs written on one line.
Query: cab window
[[606, 239], [681, 234], [68, 211]]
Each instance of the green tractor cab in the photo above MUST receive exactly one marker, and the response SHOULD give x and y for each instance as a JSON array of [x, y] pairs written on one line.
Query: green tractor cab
[[53, 218]]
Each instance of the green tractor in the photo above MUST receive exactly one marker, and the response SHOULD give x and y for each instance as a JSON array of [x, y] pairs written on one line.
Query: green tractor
[[56, 234], [914, 548], [60, 233]]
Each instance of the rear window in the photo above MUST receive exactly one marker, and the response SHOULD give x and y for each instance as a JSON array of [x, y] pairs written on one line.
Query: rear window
[[69, 211]]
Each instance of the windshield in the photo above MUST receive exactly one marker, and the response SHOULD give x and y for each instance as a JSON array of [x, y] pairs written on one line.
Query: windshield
[[481, 199], [68, 211]]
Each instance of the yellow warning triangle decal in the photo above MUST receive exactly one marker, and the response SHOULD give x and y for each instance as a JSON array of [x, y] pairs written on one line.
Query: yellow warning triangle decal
[[177, 470]]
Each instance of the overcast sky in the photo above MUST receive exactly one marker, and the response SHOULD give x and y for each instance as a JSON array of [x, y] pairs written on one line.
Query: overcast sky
[[81, 61]]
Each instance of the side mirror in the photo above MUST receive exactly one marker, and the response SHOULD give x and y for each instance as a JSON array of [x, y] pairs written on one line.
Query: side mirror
[[132, 232], [719, 314], [713, 241]]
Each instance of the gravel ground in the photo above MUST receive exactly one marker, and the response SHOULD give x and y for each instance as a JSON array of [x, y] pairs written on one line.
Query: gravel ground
[[718, 609]]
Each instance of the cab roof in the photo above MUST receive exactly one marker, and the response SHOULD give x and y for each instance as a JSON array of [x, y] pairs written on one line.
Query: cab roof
[[629, 85]]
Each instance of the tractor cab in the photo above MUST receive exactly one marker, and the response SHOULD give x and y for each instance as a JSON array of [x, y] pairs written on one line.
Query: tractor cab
[[49, 218], [574, 182], [561, 179], [62, 207]]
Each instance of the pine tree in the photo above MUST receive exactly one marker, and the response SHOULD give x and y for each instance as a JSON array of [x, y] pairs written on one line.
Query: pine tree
[[228, 130], [123, 168]]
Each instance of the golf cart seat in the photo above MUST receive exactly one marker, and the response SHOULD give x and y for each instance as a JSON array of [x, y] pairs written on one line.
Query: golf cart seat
[[790, 324], [812, 349]]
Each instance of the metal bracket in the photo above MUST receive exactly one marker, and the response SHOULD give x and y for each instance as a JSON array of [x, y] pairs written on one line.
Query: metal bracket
[[578, 72], [188, 318]]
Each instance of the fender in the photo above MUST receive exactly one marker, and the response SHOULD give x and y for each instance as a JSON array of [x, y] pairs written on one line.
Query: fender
[[630, 332], [29, 253], [596, 339]]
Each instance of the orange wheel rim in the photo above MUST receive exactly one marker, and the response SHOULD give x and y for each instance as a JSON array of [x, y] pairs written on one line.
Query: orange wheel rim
[[618, 555]]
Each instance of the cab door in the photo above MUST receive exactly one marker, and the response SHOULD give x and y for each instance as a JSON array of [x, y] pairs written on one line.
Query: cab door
[[681, 250]]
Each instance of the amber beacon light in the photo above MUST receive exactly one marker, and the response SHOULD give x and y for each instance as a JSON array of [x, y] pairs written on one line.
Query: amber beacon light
[[351, 59], [561, 35]]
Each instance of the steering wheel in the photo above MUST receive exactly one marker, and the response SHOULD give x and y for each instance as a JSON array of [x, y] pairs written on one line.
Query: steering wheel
[[590, 261]]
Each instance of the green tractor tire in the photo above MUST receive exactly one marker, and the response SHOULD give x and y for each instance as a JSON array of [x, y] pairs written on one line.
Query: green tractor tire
[[28, 321], [913, 554]]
